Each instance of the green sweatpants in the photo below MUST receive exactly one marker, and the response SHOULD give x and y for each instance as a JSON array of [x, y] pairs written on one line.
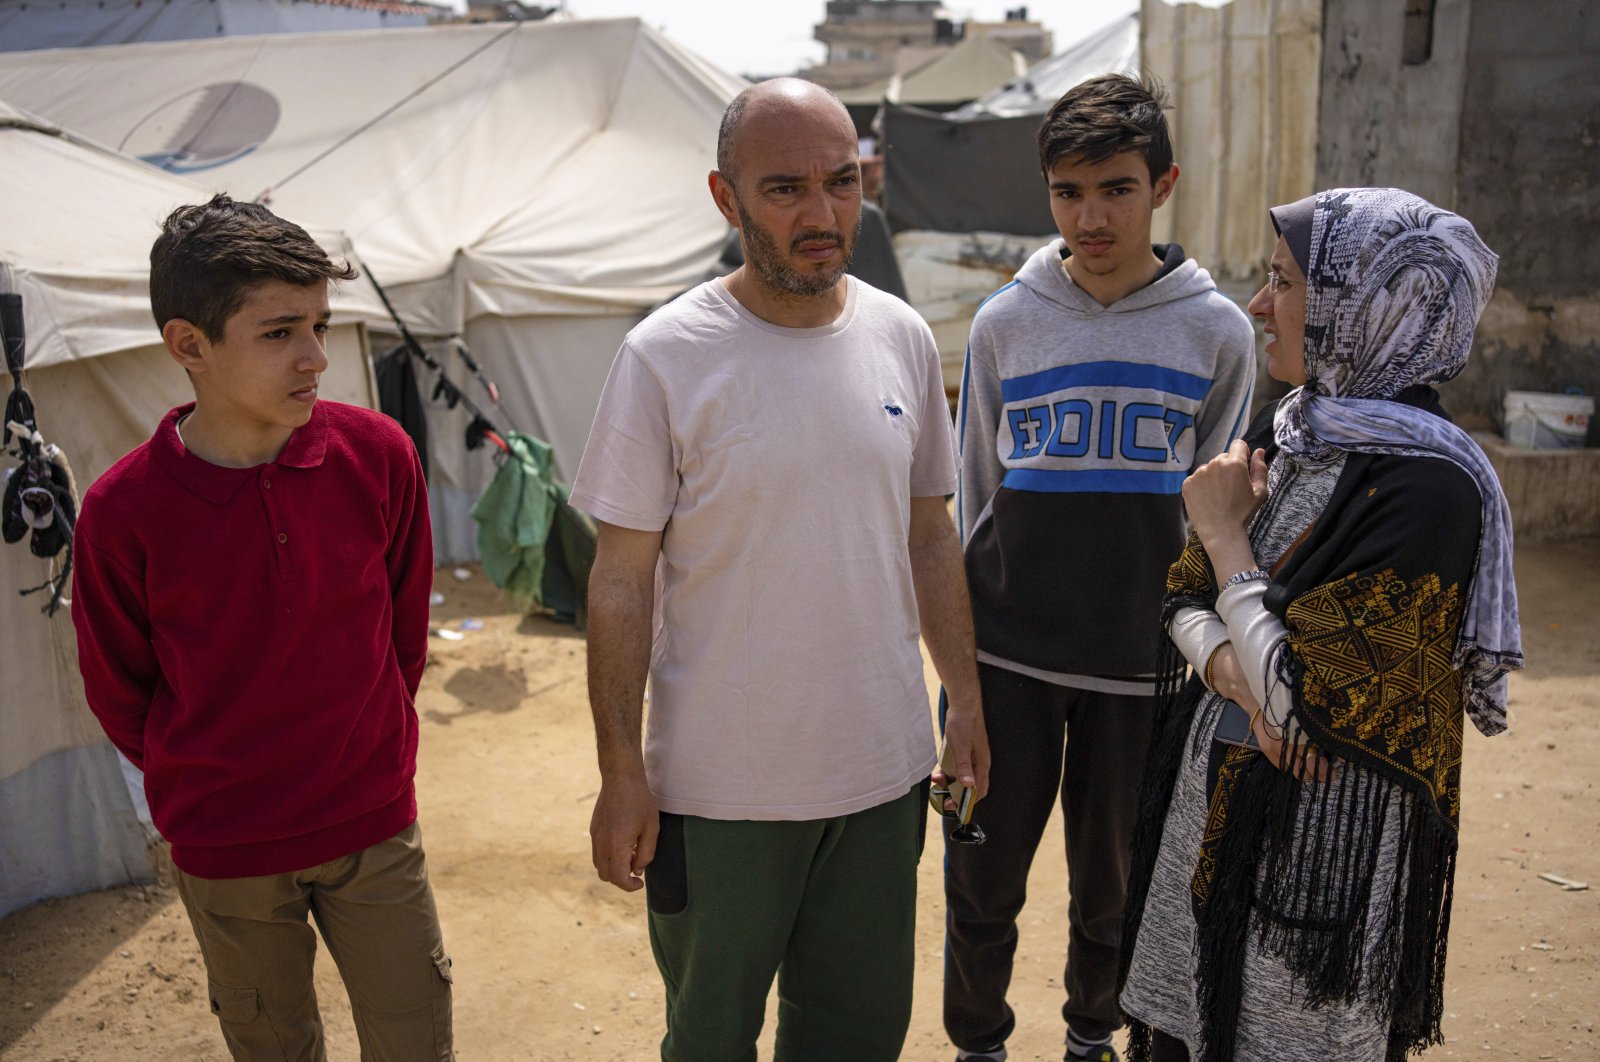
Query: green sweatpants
[[827, 905]]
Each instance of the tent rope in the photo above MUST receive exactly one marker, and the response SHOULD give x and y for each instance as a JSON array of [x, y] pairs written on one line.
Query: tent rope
[[481, 428]]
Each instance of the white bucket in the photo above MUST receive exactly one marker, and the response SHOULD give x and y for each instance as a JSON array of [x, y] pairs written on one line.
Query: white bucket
[[1546, 421]]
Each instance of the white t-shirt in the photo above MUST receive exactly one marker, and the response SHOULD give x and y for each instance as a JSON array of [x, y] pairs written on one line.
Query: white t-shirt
[[785, 677]]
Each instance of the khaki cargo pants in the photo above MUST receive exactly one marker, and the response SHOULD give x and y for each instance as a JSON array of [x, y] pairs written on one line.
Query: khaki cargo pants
[[376, 914]]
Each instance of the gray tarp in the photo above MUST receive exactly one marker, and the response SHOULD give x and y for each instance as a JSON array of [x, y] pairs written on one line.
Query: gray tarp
[[979, 175]]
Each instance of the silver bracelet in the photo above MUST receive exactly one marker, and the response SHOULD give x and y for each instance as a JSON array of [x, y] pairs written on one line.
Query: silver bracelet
[[1244, 577]]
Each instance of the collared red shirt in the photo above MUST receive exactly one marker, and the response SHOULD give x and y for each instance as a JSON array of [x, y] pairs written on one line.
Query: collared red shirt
[[253, 638]]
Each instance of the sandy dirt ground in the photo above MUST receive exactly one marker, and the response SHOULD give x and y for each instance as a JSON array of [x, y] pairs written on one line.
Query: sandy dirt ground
[[552, 964]]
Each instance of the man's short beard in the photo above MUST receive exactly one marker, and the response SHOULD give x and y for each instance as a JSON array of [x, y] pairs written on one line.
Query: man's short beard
[[762, 252]]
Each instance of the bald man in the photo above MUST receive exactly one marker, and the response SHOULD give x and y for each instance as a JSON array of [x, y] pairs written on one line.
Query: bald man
[[768, 466]]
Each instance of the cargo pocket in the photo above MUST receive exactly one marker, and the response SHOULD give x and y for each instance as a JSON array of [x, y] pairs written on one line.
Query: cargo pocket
[[443, 1037], [246, 1027], [666, 879]]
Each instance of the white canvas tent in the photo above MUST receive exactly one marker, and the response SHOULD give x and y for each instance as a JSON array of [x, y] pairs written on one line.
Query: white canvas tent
[[534, 187], [948, 78], [76, 224]]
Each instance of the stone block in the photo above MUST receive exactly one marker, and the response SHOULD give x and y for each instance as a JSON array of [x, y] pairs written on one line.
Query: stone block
[[1554, 494]]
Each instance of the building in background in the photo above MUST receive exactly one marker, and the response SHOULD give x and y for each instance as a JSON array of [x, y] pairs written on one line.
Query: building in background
[[874, 40], [510, 11], [870, 40], [1017, 32], [27, 25]]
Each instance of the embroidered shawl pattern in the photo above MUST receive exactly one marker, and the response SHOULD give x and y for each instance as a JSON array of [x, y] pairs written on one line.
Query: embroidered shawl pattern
[[1373, 611]]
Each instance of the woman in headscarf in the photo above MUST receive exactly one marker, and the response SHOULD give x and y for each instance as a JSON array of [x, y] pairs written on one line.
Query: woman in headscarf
[[1346, 598]]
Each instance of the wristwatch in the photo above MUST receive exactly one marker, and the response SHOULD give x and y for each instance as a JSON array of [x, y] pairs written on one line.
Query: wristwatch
[[1244, 577]]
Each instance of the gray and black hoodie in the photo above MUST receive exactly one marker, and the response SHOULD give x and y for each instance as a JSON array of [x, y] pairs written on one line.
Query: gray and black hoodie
[[1078, 424]]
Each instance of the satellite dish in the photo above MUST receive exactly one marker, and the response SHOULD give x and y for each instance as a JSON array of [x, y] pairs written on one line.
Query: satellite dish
[[205, 127]]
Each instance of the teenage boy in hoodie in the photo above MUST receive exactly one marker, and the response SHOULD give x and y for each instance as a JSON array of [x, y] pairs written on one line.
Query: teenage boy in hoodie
[[251, 601], [1095, 382]]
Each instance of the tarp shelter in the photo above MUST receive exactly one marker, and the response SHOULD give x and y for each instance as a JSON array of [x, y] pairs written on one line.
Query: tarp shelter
[[534, 187], [76, 224], [977, 167], [946, 79], [970, 68], [1113, 49]]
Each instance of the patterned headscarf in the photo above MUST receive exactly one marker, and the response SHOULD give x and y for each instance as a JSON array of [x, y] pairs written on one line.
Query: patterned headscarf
[[1394, 289]]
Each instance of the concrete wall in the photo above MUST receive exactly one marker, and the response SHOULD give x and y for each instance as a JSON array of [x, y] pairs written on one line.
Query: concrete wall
[[1529, 178], [1500, 124], [1382, 122], [1243, 79]]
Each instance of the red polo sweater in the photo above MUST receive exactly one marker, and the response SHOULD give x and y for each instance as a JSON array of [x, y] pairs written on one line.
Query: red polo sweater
[[253, 639]]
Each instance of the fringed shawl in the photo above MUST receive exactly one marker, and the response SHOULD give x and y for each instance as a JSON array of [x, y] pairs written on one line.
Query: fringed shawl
[[1373, 600]]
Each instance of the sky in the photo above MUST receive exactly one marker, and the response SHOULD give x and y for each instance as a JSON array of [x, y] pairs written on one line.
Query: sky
[[774, 36]]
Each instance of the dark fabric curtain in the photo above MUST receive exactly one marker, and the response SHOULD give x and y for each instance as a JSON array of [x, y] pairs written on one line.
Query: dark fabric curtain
[[973, 176], [400, 397]]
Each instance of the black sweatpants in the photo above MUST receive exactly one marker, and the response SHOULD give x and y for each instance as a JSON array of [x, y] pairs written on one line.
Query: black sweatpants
[[1045, 741]]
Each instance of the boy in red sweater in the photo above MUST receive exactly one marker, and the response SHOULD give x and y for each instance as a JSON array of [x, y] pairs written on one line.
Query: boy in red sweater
[[251, 602]]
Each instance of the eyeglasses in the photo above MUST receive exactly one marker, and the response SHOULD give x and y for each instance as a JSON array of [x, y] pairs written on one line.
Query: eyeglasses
[[965, 831], [1277, 282]]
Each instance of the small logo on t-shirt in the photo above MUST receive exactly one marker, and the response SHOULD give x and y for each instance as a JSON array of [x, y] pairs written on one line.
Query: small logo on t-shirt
[[894, 410]]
